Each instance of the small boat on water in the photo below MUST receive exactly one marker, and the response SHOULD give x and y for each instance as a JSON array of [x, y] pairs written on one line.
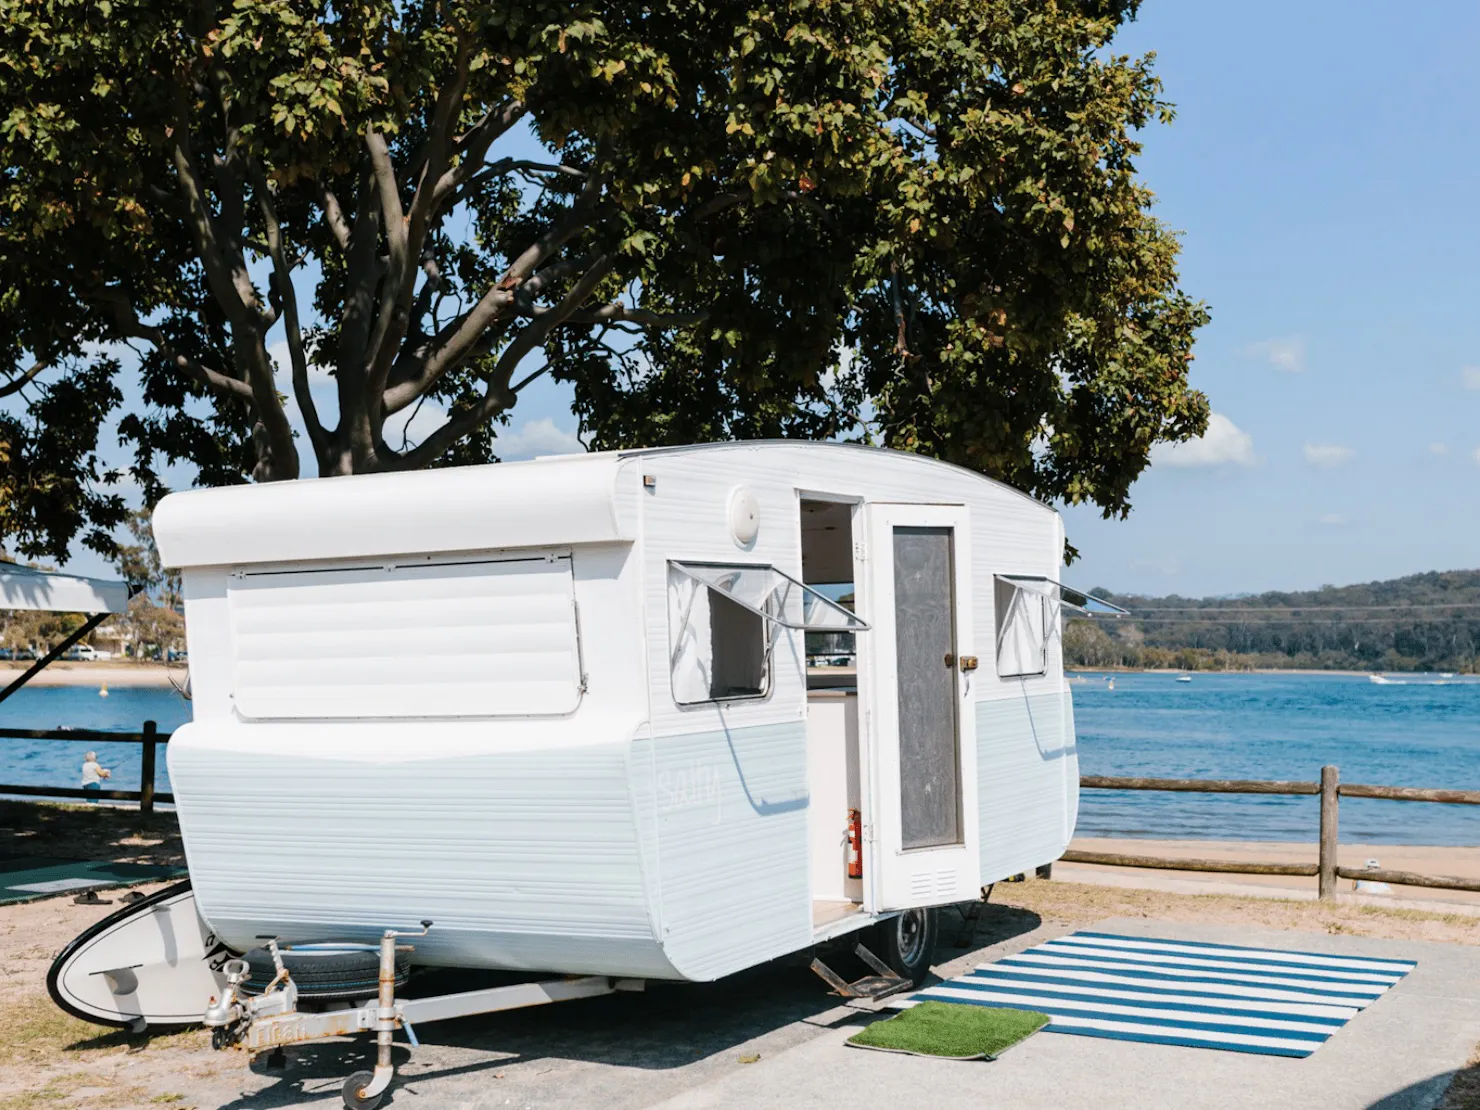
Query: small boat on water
[[1184, 678], [1379, 680]]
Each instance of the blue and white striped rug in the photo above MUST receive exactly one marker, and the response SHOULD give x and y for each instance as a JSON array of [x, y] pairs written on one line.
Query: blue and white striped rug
[[1179, 992]]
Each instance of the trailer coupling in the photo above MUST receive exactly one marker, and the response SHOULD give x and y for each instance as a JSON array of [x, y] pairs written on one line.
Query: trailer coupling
[[272, 1020]]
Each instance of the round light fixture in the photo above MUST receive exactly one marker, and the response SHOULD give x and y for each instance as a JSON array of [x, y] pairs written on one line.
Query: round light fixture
[[745, 517]]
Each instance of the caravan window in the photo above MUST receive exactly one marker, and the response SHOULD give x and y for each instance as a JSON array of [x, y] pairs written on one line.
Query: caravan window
[[720, 649], [1022, 629], [724, 618]]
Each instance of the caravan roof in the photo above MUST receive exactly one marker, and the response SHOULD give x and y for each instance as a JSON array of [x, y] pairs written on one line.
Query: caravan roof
[[552, 500]]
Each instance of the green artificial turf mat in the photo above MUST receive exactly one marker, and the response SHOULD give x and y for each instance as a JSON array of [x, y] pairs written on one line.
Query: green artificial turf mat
[[951, 1030]]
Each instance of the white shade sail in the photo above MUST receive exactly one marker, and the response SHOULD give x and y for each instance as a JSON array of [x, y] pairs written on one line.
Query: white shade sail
[[29, 588]]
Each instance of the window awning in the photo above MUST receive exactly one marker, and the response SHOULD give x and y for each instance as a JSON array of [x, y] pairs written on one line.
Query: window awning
[[1063, 596], [28, 588], [767, 592]]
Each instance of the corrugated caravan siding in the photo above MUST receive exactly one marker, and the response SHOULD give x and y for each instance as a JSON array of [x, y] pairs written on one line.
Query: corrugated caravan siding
[[524, 860], [732, 846], [1023, 752], [463, 638]]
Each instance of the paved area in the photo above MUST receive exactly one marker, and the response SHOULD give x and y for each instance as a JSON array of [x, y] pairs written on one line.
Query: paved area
[[771, 1038]]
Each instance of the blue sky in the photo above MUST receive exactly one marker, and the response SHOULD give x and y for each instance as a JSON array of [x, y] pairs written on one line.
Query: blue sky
[[1323, 169]]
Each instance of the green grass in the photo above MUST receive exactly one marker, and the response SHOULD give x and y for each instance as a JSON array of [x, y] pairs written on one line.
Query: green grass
[[956, 1031]]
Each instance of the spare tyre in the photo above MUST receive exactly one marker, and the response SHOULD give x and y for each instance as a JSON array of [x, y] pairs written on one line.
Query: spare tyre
[[325, 971]]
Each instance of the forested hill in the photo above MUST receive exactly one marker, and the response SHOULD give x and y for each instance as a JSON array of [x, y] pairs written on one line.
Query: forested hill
[[1425, 622]]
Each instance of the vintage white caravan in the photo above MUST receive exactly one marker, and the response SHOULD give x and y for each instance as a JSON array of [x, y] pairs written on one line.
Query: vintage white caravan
[[649, 714]]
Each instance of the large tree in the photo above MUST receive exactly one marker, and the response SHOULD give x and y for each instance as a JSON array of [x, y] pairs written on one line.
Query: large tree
[[912, 221]]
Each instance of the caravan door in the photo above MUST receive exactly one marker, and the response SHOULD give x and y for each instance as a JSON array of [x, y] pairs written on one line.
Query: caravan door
[[921, 675]]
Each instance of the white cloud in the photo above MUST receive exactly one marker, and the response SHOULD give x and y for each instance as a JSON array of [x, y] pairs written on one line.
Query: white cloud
[[1470, 376], [1223, 444], [1440, 449], [1333, 520], [1286, 354], [1329, 455], [536, 437]]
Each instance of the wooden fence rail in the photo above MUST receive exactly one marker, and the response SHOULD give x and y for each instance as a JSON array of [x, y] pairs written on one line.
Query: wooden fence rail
[[150, 737], [1327, 871]]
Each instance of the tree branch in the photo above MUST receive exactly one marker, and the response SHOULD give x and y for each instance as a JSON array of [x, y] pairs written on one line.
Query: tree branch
[[15, 385], [618, 312], [472, 146], [334, 217], [283, 277], [231, 285], [130, 324], [497, 396]]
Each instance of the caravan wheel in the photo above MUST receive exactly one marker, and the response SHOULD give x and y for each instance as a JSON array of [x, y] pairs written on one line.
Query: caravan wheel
[[907, 943]]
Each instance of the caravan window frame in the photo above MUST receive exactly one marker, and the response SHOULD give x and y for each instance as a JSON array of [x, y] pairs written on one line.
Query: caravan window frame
[[1047, 623], [768, 639]]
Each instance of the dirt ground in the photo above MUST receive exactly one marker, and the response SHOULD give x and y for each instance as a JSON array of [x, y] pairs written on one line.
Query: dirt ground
[[49, 1059], [89, 832]]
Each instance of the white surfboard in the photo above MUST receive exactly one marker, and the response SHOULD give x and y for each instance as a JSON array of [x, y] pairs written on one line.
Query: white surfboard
[[152, 963]]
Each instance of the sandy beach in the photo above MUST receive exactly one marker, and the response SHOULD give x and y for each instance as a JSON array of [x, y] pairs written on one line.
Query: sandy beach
[[76, 673], [1423, 859]]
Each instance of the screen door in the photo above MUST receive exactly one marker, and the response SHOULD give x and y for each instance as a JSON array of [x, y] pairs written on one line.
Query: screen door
[[922, 743], [925, 674]]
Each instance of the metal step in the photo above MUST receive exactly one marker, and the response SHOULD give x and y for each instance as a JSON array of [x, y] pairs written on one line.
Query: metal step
[[885, 983]]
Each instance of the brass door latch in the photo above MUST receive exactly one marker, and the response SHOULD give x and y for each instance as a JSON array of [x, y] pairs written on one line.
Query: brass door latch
[[968, 663]]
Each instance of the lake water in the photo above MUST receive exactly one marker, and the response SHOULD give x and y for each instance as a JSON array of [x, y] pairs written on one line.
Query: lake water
[[59, 763], [1216, 726], [1244, 726]]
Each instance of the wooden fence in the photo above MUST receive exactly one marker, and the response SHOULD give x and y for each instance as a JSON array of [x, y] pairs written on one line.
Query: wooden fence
[[146, 795], [1330, 790]]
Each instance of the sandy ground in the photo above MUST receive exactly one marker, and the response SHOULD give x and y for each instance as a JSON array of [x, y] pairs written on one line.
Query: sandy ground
[[1425, 860], [631, 1051], [634, 1051], [77, 673]]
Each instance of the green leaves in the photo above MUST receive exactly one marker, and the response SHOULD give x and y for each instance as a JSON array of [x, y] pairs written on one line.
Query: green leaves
[[943, 189]]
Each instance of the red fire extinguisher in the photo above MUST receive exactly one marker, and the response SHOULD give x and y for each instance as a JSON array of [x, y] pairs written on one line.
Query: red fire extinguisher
[[855, 844]]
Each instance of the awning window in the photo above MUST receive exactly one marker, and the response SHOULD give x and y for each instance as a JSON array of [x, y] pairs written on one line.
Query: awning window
[[769, 594], [1063, 596]]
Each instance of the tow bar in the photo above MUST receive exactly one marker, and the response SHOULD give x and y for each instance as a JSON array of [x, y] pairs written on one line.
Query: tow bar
[[272, 1020]]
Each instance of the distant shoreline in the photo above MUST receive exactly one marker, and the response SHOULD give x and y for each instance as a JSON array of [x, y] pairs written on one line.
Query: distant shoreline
[[1077, 670], [74, 673]]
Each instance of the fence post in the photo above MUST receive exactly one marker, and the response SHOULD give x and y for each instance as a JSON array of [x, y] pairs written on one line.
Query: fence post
[[146, 777], [1329, 834]]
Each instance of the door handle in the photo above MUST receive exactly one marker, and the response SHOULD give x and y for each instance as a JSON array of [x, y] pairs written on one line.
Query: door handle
[[950, 660]]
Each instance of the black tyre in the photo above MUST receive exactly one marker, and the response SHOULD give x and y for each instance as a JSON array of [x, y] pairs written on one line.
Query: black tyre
[[350, 1092], [907, 943], [327, 972]]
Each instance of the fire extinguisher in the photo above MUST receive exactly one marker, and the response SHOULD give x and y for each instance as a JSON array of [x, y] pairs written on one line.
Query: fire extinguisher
[[855, 844]]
